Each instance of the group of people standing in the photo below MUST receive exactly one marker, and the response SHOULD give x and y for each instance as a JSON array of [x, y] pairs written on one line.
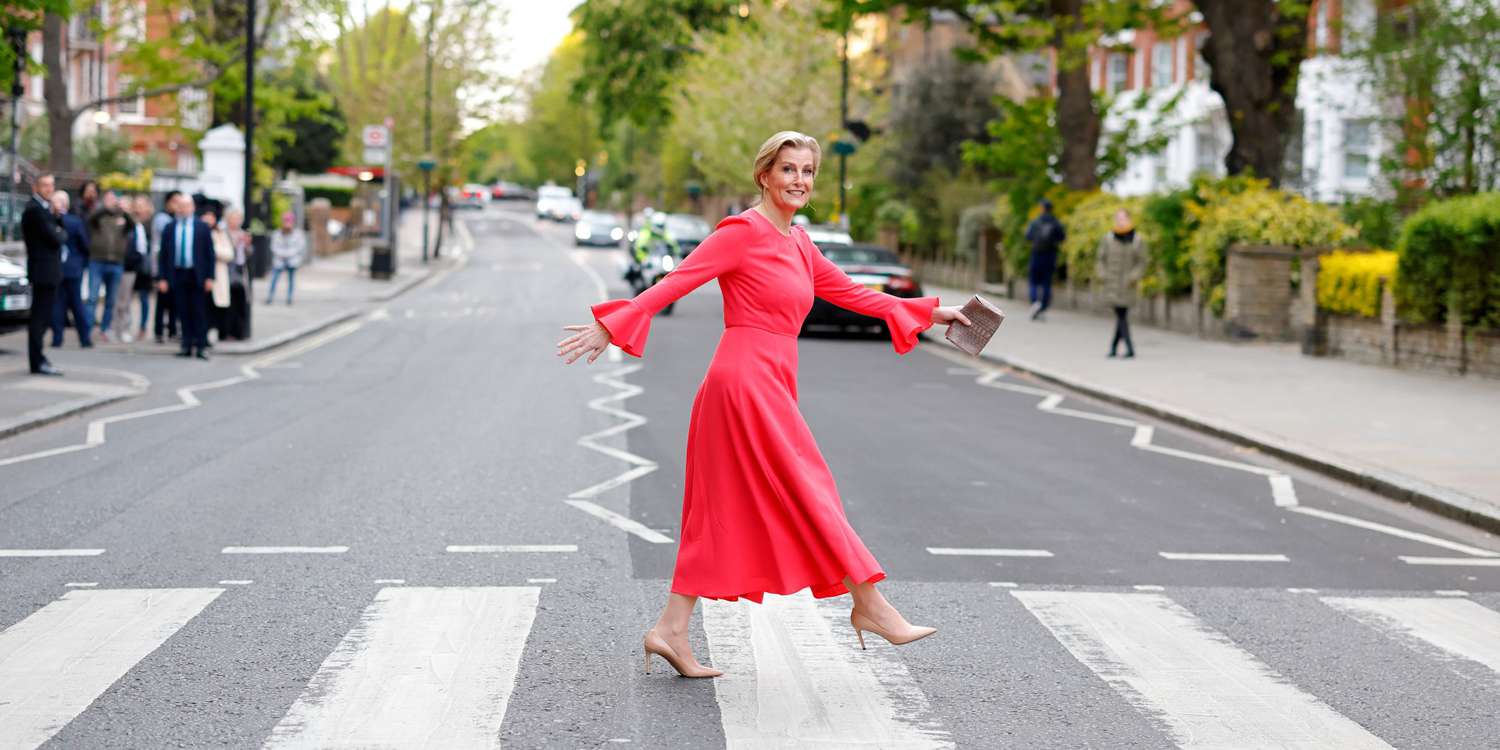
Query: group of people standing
[[1119, 265], [193, 264]]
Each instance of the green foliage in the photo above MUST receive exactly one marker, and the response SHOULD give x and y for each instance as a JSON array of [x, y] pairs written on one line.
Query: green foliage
[[972, 222], [1350, 282], [1166, 224], [636, 48], [104, 152], [1256, 214], [942, 105], [24, 16], [1450, 255], [1088, 219], [559, 131], [894, 214], [1377, 221], [338, 196]]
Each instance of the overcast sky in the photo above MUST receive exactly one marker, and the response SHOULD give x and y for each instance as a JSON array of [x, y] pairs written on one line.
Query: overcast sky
[[533, 29]]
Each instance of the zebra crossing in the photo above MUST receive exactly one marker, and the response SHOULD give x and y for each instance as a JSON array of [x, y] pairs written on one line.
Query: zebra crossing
[[435, 666]]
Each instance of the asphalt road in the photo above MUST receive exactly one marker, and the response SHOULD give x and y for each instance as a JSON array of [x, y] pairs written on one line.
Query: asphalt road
[[366, 540]]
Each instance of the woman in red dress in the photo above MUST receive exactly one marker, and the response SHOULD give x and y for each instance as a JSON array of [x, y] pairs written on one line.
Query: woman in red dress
[[761, 513]]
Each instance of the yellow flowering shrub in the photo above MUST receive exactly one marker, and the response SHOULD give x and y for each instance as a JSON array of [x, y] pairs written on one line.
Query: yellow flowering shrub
[[1261, 216], [1350, 282]]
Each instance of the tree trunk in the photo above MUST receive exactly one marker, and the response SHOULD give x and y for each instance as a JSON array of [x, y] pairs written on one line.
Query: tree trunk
[[55, 89], [1077, 120], [1254, 51]]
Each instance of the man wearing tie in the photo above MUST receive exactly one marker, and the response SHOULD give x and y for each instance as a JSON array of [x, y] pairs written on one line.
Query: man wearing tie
[[43, 232], [186, 268]]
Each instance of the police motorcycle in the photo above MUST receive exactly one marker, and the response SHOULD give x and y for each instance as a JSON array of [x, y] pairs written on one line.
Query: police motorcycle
[[661, 257]]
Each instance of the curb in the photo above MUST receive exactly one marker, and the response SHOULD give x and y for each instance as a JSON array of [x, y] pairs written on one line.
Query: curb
[[1395, 486], [58, 412]]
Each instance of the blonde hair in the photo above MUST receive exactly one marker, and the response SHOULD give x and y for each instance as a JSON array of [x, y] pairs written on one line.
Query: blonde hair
[[765, 158]]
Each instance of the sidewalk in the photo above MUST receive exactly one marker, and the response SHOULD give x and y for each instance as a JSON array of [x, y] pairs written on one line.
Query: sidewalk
[[329, 290], [1425, 438]]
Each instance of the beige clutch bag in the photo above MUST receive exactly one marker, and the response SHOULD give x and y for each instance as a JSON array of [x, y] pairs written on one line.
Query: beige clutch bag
[[984, 320]]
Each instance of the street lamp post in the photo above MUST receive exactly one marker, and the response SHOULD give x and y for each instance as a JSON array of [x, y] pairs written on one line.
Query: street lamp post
[[427, 164], [249, 113], [18, 46], [843, 118]]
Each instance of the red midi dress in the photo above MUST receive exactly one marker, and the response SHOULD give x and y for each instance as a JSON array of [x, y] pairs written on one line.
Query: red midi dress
[[760, 511]]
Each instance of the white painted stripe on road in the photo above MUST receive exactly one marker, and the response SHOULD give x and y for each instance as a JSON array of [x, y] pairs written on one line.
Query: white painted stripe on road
[[512, 548], [792, 681], [1482, 562], [236, 582], [1004, 584], [81, 584], [1149, 587], [1224, 556], [1283, 491], [1455, 627], [391, 580], [1302, 591], [50, 552], [988, 552], [618, 521], [1393, 531], [425, 667], [54, 663], [541, 580], [1451, 592], [333, 550], [1205, 691]]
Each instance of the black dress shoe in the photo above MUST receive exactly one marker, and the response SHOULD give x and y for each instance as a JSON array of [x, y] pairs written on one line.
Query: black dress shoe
[[203, 355], [47, 369]]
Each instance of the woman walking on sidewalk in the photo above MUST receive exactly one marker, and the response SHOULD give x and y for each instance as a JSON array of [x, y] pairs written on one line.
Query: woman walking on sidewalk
[[761, 513], [1121, 261]]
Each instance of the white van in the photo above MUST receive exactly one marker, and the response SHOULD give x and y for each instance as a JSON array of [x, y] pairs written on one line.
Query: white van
[[551, 201]]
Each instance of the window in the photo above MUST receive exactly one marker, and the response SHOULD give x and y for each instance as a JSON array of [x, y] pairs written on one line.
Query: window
[[1119, 64], [1357, 152], [1161, 65], [128, 106], [131, 29], [1208, 156]]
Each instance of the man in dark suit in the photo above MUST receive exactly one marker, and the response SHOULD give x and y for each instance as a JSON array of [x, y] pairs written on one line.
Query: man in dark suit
[[43, 233], [186, 268], [75, 261]]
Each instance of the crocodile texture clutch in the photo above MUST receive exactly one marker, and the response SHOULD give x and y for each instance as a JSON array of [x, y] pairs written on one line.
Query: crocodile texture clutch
[[984, 319]]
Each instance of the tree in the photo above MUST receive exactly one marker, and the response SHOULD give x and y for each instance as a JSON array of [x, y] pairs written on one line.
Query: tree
[[1436, 66], [1254, 52], [942, 105], [561, 131], [312, 143], [21, 17]]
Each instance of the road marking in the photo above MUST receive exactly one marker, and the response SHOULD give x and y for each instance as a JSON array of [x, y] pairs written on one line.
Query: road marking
[[236, 582], [54, 663], [1224, 556], [50, 552], [425, 667], [620, 522], [81, 584], [1393, 531], [1302, 591], [1003, 584], [335, 550], [630, 421], [988, 552], [1483, 562], [1149, 587], [512, 548], [1451, 592], [792, 681], [391, 580], [1205, 691], [187, 395], [1454, 627], [541, 580]]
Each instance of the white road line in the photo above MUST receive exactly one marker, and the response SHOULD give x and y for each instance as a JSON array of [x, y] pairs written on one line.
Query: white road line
[[1224, 556], [1004, 584], [620, 522], [1205, 691], [1453, 627], [1149, 587], [50, 552], [397, 581], [54, 663], [334, 550], [1302, 591], [541, 580], [236, 582], [630, 421], [1450, 592], [425, 667], [793, 681], [1393, 531], [187, 395], [1482, 562], [988, 552], [81, 584], [512, 548]]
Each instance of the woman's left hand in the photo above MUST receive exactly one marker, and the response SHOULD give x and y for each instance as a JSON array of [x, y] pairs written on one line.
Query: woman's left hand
[[948, 315]]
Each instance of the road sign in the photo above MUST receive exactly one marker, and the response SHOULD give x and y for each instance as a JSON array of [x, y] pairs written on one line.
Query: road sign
[[426, 165], [844, 147], [377, 136]]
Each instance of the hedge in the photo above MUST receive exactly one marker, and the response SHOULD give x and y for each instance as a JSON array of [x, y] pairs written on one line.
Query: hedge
[[1350, 282], [338, 196], [1087, 222], [1450, 253]]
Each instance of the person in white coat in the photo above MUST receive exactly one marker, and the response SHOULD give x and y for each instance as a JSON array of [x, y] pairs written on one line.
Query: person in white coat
[[218, 301], [288, 245]]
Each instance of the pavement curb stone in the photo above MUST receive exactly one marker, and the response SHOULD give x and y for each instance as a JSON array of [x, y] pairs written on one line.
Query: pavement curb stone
[[1427, 496], [58, 412]]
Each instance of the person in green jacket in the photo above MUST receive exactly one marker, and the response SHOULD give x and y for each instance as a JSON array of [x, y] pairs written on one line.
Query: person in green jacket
[[655, 230], [108, 238], [1120, 262]]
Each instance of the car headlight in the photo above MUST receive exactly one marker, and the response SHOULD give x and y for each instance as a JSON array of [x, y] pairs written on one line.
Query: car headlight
[[616, 233], [667, 262], [583, 232]]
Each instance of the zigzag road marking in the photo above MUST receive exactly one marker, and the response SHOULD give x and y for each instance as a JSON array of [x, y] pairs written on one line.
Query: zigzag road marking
[[1283, 490], [641, 466], [188, 395]]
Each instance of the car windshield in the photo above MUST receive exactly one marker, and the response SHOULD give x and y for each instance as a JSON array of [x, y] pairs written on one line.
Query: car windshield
[[685, 226], [553, 191], [859, 255], [599, 217]]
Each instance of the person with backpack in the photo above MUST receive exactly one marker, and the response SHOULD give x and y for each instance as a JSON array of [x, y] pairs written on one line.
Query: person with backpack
[[1046, 235]]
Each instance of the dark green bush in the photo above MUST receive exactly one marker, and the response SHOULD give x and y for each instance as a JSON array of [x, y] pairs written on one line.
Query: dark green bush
[[1167, 213], [1378, 221], [339, 197], [1450, 252]]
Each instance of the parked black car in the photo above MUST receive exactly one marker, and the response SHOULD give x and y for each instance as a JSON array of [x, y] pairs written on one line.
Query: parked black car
[[871, 265], [15, 295]]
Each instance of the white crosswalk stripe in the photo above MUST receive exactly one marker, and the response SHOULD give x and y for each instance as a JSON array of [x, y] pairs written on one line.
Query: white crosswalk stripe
[[1455, 627], [790, 682], [1205, 691], [425, 667], [54, 663]]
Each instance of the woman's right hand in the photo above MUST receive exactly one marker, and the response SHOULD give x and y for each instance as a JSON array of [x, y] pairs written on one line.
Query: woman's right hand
[[586, 339]]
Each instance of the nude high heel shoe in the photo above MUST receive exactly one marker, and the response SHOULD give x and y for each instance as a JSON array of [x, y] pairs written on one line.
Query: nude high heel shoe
[[655, 644], [862, 624]]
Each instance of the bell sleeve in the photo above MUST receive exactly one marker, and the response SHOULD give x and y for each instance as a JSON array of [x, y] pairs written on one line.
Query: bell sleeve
[[628, 321], [904, 317]]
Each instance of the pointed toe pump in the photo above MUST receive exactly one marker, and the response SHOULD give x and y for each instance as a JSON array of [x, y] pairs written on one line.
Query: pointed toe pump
[[655, 644], [864, 624]]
